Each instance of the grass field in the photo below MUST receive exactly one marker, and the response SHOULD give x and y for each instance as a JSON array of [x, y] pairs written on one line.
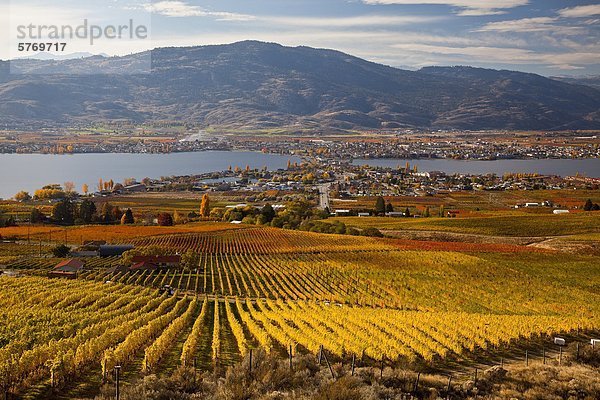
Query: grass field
[[499, 224]]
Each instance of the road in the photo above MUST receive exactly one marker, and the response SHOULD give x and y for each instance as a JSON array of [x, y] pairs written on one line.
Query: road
[[324, 196]]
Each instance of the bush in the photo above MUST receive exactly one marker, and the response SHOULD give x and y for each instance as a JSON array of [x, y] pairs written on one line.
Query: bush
[[374, 232], [61, 251], [165, 219]]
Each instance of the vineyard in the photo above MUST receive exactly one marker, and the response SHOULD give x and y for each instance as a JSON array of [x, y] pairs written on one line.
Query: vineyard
[[285, 292], [58, 331]]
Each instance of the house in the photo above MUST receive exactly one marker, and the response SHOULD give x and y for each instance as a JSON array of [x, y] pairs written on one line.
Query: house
[[394, 214], [135, 188], [558, 212], [364, 214], [67, 269], [342, 213], [143, 263], [111, 250]]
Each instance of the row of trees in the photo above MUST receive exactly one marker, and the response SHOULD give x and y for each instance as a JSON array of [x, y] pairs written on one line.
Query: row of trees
[[68, 212]]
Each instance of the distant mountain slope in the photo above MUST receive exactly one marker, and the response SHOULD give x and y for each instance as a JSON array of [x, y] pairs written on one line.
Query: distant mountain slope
[[262, 85], [592, 81]]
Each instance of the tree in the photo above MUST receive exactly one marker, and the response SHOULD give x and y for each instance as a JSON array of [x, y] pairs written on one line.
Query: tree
[[442, 210], [22, 196], [87, 211], [63, 212], [117, 213], [61, 251], [107, 213], [190, 259], [127, 217], [69, 187], [85, 188], [268, 213], [165, 219], [100, 186], [205, 206], [177, 218], [588, 205], [427, 213], [389, 207], [380, 206], [407, 212], [36, 216]]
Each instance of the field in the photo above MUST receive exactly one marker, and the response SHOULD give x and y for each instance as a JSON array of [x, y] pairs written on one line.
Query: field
[[422, 304], [493, 224], [475, 201], [109, 233]]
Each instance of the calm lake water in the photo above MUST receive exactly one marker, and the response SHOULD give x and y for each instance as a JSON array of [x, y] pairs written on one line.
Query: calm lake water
[[588, 167], [32, 171]]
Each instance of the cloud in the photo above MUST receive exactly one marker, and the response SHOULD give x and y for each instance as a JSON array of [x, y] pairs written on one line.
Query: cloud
[[580, 11], [504, 55], [341, 22], [467, 7], [175, 8], [537, 24]]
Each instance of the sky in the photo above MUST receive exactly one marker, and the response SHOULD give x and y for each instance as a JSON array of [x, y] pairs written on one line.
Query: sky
[[547, 37]]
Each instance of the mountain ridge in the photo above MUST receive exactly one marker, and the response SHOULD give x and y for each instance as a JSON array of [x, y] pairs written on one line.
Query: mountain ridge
[[257, 85]]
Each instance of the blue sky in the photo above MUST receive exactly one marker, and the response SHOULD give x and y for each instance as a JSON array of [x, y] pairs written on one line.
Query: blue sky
[[548, 37]]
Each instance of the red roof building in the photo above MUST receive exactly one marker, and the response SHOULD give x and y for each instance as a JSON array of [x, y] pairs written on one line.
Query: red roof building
[[67, 269]]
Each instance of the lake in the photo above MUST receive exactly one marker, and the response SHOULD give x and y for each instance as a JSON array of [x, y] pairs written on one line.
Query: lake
[[32, 171], [588, 167]]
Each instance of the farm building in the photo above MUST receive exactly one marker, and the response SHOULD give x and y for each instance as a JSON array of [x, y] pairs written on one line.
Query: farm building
[[142, 263], [109, 250], [67, 269]]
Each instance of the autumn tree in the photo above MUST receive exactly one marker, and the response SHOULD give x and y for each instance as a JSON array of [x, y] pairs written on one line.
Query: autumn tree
[[85, 189], [107, 213], [165, 219], [205, 206], [127, 217], [69, 187], [22, 196]]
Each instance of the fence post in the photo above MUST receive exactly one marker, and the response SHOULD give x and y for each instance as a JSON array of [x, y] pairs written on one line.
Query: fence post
[[544, 355], [328, 364], [381, 369], [417, 382], [560, 357], [476, 375], [353, 361], [117, 381], [526, 358], [250, 363], [291, 358], [449, 384]]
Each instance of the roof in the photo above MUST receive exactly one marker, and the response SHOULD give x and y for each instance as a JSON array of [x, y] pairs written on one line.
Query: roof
[[70, 265], [114, 250], [144, 265]]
